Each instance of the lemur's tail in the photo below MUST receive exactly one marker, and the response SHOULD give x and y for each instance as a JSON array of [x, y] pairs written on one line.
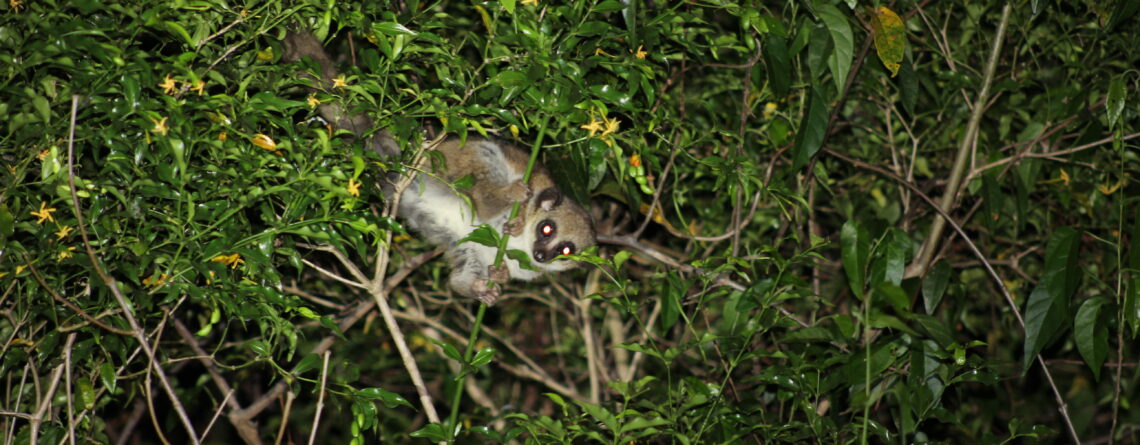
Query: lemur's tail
[[299, 45]]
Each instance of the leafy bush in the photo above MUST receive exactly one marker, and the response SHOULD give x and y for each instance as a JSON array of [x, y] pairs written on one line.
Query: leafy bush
[[188, 253]]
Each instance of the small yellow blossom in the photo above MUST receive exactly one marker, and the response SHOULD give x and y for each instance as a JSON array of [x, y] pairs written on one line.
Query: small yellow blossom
[[63, 232], [769, 110], [232, 260], [611, 126], [21, 268], [265, 54], [313, 101], [635, 160], [640, 53], [339, 81], [1064, 178], [199, 87], [599, 52], [530, 2], [594, 127], [353, 187], [244, 13], [155, 281], [15, 5], [44, 213], [66, 253], [168, 85], [43, 154], [1110, 190], [264, 141], [160, 126], [222, 136]]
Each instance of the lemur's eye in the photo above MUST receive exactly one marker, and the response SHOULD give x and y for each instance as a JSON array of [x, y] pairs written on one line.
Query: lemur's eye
[[546, 229], [566, 249]]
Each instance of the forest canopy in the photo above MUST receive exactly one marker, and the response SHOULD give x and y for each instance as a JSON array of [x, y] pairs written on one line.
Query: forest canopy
[[818, 222]]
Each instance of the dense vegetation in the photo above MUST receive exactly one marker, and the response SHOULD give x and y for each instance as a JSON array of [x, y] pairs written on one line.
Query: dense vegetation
[[187, 253]]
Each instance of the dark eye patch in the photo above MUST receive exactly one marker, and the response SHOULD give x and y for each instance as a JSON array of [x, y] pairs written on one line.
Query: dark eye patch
[[546, 229]]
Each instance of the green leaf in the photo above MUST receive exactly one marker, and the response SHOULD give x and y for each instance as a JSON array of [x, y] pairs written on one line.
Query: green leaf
[[484, 235], [42, 107], [856, 247], [392, 29], [181, 32], [600, 414], [1091, 333], [1048, 306], [1132, 306], [779, 65], [483, 357], [433, 432], [449, 350], [843, 51], [7, 222], [812, 131], [390, 399], [934, 285], [1117, 96]]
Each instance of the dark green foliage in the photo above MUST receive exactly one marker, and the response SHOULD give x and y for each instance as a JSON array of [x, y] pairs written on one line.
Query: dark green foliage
[[758, 179]]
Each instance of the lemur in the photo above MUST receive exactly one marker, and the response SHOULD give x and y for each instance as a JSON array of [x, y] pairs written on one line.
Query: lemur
[[548, 226]]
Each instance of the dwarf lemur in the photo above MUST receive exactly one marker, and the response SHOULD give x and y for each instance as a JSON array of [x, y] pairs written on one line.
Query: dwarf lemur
[[548, 226]]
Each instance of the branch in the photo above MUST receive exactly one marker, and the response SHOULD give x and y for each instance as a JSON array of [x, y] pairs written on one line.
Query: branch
[[136, 329], [957, 172]]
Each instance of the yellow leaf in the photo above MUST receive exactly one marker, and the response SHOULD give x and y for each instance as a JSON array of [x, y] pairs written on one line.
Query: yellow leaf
[[264, 141], [890, 38]]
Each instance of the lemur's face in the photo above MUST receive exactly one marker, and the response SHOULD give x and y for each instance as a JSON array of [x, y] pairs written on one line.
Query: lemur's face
[[559, 229]]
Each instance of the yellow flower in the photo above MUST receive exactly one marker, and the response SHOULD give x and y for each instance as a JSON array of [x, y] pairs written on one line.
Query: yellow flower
[[199, 87], [594, 126], [599, 52], [21, 268], [353, 187], [44, 213], [339, 82], [530, 2], [611, 126], [43, 154], [168, 85], [1110, 190], [155, 281], [63, 232], [233, 260], [1065, 177], [15, 5], [160, 126], [66, 253], [313, 101], [635, 160], [222, 136], [640, 54], [264, 141], [769, 110]]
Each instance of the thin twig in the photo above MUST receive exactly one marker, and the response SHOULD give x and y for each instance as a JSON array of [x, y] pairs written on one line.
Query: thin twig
[[289, 397], [68, 385], [136, 329], [45, 401], [67, 303], [320, 399], [217, 413]]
